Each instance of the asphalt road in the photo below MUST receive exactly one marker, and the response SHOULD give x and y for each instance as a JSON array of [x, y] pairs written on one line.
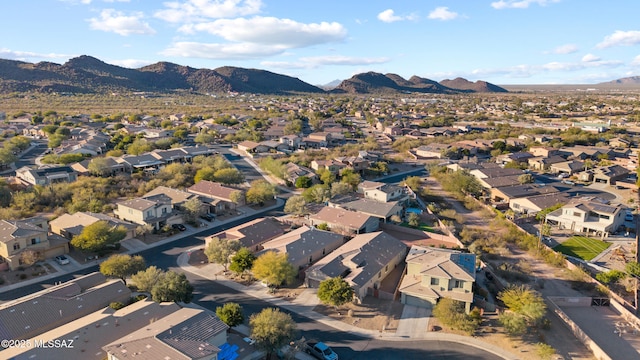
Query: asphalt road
[[211, 294], [249, 172], [29, 158]]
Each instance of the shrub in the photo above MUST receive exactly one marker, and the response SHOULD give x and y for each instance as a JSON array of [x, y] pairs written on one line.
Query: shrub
[[23, 276], [452, 314], [610, 276], [116, 305], [545, 351]]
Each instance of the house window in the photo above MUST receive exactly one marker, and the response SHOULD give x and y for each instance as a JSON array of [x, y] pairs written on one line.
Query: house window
[[435, 281], [16, 246], [35, 241], [576, 214], [130, 211], [457, 284], [164, 210], [386, 268], [379, 275], [149, 213], [516, 206]]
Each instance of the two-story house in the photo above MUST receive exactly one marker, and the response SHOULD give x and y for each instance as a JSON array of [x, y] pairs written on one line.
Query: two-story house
[[434, 273], [305, 245], [20, 236], [157, 212], [588, 217], [220, 198], [363, 262]]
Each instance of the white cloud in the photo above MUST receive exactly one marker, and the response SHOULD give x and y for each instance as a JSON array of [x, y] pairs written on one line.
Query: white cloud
[[619, 38], [272, 31], [115, 21], [636, 61], [590, 58], [519, 4], [318, 61], [221, 51], [442, 13], [130, 63], [389, 16], [565, 49], [197, 10], [29, 56]]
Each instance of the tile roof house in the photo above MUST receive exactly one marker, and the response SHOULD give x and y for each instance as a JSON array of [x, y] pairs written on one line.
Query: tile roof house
[[434, 150], [140, 162], [157, 212], [385, 193], [112, 166], [293, 171], [48, 309], [93, 331], [31, 234], [493, 172], [344, 220], [363, 262], [187, 334], [567, 167], [178, 197], [583, 216], [252, 234], [218, 196], [533, 204], [610, 174], [434, 273], [46, 176], [544, 163], [381, 210], [507, 193], [70, 225], [304, 245]]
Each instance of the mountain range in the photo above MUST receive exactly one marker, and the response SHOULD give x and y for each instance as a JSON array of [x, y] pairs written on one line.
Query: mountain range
[[86, 74]]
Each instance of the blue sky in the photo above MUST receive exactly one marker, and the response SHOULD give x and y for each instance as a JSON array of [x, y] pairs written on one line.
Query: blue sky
[[500, 41]]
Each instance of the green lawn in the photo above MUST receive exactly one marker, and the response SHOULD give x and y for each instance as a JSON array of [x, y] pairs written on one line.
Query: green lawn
[[582, 247], [422, 227]]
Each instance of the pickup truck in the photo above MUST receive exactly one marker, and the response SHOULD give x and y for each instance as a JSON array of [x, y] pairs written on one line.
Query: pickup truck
[[321, 351]]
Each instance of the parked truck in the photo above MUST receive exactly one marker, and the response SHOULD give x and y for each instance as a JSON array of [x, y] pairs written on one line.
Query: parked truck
[[321, 351]]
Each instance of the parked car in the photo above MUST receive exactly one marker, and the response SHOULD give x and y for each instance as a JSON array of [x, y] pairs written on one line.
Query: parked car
[[62, 260], [628, 216], [179, 227], [321, 351], [563, 175], [208, 217]]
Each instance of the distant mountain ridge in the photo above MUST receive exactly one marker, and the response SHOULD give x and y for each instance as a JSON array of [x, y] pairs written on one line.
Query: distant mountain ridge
[[372, 82], [86, 74], [631, 80]]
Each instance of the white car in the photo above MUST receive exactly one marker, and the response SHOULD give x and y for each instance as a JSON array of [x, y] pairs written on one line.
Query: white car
[[62, 260]]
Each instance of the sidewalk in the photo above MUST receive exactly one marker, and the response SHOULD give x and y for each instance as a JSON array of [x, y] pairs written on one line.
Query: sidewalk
[[413, 324], [134, 246]]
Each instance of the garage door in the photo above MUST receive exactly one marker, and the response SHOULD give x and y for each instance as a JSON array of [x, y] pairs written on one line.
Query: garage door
[[415, 301]]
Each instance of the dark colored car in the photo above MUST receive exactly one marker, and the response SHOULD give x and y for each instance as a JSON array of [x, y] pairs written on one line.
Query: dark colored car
[[179, 227], [207, 217]]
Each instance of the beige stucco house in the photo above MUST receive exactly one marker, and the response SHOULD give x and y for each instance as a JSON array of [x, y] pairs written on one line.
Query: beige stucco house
[[434, 273]]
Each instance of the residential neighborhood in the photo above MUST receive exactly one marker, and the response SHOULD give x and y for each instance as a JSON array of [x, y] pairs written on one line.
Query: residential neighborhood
[[421, 212]]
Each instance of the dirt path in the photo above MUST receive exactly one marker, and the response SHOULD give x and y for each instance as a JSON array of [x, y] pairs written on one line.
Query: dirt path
[[550, 281]]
